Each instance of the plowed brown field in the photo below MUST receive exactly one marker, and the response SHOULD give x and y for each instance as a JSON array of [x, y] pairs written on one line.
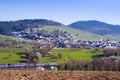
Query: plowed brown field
[[57, 75]]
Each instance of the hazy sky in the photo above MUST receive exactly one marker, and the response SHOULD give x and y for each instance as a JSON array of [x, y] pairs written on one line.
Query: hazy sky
[[65, 11]]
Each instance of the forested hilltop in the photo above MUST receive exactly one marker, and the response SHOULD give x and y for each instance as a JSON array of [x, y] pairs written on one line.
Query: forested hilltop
[[6, 27]]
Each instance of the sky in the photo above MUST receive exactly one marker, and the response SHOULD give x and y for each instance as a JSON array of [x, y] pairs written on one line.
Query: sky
[[64, 11]]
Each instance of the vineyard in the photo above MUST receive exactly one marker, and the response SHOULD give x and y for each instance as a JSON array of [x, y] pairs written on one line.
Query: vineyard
[[57, 75]]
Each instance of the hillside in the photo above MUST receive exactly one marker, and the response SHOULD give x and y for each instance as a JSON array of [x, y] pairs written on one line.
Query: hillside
[[97, 27], [79, 34], [76, 34], [83, 30], [3, 37], [7, 27]]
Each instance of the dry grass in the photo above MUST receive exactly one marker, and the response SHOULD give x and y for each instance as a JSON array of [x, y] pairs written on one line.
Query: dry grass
[[57, 75]]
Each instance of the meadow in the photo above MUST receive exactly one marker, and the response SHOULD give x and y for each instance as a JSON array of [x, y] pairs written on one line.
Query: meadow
[[12, 55], [71, 54]]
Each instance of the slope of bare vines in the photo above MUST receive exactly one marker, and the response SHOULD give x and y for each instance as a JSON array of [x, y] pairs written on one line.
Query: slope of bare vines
[[57, 75]]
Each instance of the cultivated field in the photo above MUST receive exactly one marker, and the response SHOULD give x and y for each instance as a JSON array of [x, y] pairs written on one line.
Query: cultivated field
[[57, 75]]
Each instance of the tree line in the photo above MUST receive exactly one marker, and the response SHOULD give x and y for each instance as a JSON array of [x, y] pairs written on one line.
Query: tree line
[[109, 61]]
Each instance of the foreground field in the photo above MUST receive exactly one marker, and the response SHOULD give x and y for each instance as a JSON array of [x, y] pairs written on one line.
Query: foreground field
[[57, 75]]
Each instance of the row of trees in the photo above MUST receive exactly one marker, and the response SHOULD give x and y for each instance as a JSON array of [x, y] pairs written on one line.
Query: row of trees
[[104, 64], [108, 61], [111, 52]]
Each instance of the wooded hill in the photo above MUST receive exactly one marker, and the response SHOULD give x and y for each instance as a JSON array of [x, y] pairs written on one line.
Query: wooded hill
[[6, 27]]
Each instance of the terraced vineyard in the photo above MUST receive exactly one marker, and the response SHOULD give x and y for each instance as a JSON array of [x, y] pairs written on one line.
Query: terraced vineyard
[[57, 75]]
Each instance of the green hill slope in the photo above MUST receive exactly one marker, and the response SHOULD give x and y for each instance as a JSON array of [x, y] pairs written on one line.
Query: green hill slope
[[72, 54], [3, 37], [79, 34]]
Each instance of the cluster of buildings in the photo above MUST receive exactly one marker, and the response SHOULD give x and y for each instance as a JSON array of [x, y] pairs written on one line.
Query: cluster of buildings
[[61, 39], [88, 44]]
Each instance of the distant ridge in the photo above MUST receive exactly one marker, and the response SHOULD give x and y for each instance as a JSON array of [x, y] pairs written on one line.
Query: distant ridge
[[96, 27]]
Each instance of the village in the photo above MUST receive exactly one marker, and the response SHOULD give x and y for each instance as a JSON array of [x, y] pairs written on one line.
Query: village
[[62, 39]]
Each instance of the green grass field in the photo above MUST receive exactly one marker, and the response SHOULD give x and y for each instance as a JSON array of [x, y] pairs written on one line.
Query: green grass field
[[13, 56], [10, 55], [71, 54]]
